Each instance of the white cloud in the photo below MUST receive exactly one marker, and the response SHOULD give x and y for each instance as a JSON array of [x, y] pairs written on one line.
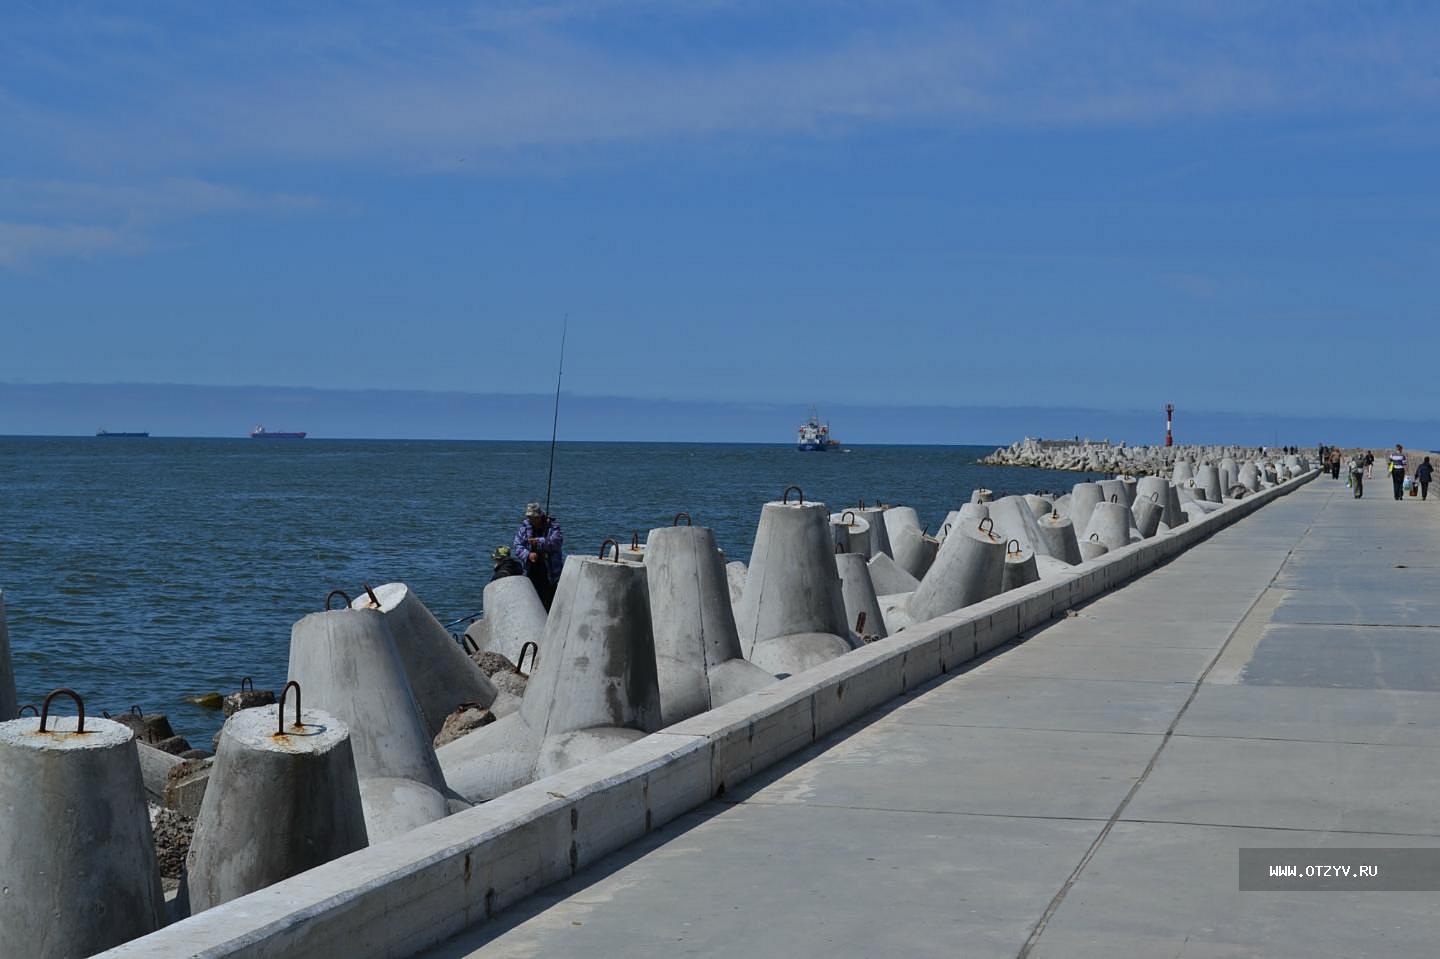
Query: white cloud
[[21, 244]]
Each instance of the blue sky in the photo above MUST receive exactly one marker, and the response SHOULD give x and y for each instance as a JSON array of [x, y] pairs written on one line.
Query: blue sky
[[1231, 207]]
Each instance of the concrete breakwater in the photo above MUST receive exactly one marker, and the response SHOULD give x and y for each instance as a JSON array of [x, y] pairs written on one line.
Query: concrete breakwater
[[642, 701], [1105, 457]]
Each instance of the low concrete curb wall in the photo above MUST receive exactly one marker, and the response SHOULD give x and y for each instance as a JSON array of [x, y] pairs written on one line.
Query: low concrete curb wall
[[403, 896]]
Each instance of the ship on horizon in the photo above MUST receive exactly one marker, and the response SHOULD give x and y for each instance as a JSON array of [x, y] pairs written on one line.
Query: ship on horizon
[[814, 435], [132, 435], [261, 433]]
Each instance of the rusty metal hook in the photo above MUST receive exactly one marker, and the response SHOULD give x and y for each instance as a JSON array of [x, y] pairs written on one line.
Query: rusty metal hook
[[1094, 537], [332, 594], [534, 648], [29, 706], [280, 713], [987, 531], [468, 644], [374, 600], [635, 539], [79, 707], [850, 513], [1016, 550], [1114, 498], [137, 711], [247, 681], [945, 529], [610, 542], [785, 497], [677, 519]]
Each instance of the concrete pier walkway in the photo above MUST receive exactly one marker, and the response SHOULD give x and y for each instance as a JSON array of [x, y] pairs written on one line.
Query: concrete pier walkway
[[1084, 793]]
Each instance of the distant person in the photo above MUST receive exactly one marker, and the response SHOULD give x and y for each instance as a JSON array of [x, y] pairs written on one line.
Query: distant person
[[1369, 464], [538, 544], [1335, 464], [505, 564], [1423, 472], [1397, 470], [1357, 475]]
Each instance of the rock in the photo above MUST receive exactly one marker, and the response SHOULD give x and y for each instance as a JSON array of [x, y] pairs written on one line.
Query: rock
[[466, 719], [172, 833], [195, 754], [186, 785], [207, 700]]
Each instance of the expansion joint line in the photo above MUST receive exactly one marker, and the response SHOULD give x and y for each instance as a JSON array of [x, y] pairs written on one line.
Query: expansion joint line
[[1050, 910]]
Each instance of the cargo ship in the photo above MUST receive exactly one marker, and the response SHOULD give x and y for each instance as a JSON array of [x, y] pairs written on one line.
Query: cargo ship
[[121, 435], [815, 435], [261, 433]]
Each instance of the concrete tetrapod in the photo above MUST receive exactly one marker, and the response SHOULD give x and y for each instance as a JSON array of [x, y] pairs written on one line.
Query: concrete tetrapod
[[441, 675], [1229, 472], [981, 496], [889, 578], [860, 597], [515, 614], [1020, 567], [970, 567], [1062, 505], [8, 705], [1057, 533], [77, 864], [914, 551], [1092, 548], [278, 803], [1114, 491], [879, 539], [1083, 499], [1147, 514], [898, 518], [697, 649], [856, 538], [1111, 523], [1014, 519], [346, 662], [1039, 505], [594, 690], [840, 536], [735, 573], [1160, 490], [1249, 477], [792, 615], [1183, 472], [1207, 477]]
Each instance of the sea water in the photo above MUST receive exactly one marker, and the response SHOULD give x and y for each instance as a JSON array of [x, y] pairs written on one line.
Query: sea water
[[145, 571]]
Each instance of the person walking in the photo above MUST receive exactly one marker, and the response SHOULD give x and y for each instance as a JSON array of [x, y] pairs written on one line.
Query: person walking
[[1369, 464], [1397, 470], [1335, 463], [538, 544], [1423, 472], [1357, 475]]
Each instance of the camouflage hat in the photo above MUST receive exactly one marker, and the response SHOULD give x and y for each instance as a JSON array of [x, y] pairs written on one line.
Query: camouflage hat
[[532, 510], [502, 553]]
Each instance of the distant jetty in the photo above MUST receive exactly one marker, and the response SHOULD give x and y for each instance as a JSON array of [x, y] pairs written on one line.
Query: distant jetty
[[1102, 456]]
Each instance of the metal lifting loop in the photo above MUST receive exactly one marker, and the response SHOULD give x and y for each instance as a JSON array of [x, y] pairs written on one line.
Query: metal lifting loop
[[679, 516], [988, 531], [785, 498], [247, 685], [610, 542], [1012, 548], [945, 529], [79, 708], [635, 539], [534, 649], [374, 600], [332, 594], [280, 713], [468, 644], [137, 711], [862, 505], [1114, 498], [1094, 537], [29, 706], [1154, 497], [848, 522]]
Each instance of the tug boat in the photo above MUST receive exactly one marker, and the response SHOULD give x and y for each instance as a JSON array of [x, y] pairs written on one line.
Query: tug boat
[[815, 436], [261, 433]]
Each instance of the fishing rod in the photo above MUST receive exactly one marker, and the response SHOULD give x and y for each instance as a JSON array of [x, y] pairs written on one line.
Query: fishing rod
[[555, 424]]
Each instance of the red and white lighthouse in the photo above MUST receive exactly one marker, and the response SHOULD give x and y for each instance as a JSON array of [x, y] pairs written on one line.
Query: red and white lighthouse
[[1169, 424]]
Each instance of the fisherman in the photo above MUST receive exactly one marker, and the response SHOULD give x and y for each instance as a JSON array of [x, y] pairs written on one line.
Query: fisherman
[[538, 544], [505, 564]]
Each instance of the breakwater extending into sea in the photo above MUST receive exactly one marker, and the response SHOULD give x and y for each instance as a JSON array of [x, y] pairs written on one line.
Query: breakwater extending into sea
[[143, 572]]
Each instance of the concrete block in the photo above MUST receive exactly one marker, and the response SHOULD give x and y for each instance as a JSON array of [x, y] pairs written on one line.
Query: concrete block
[[754, 731]]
